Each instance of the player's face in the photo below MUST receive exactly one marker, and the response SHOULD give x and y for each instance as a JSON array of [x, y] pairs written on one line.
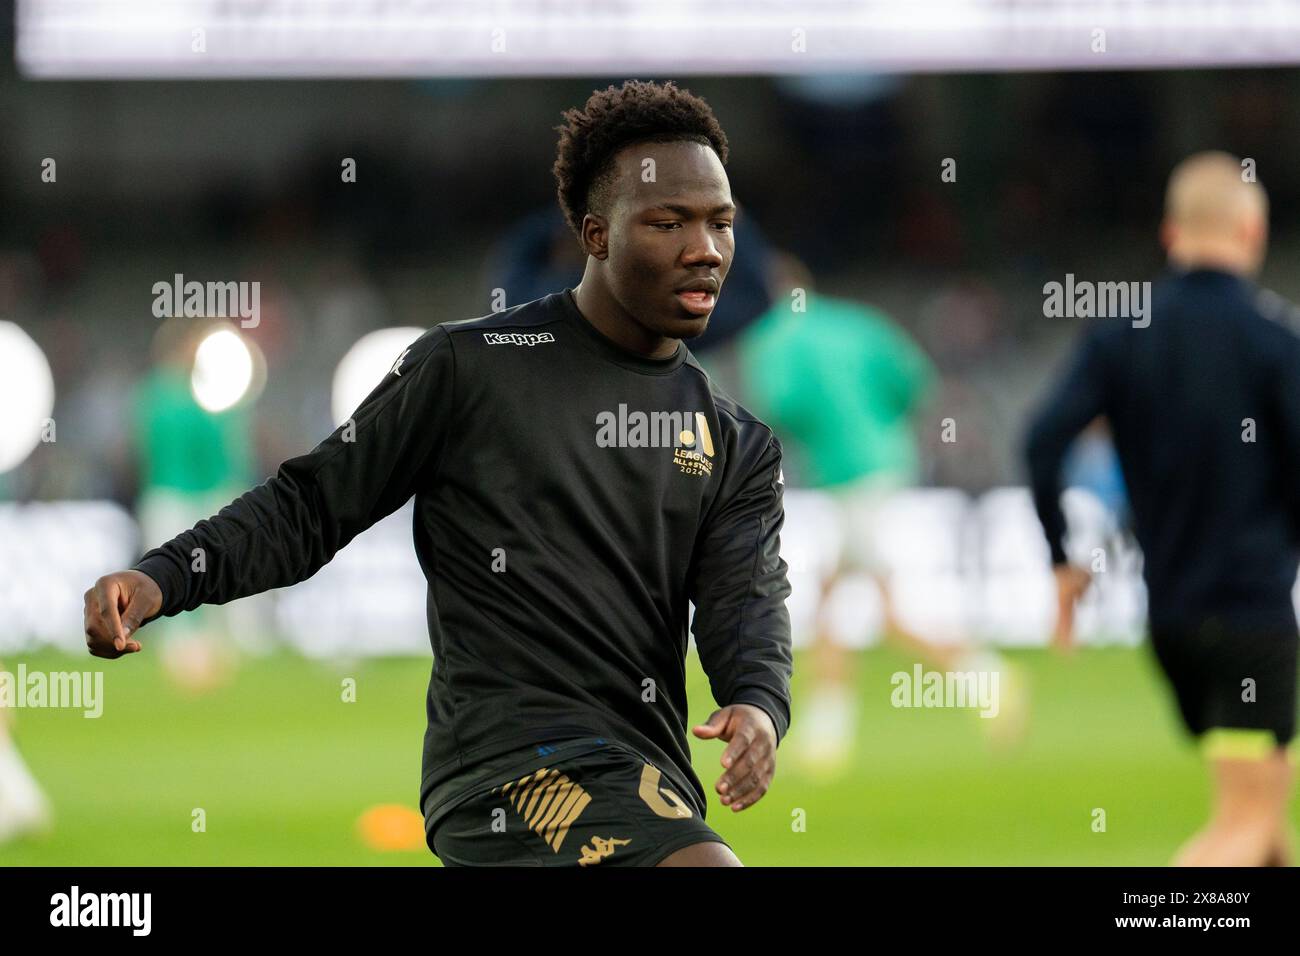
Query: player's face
[[671, 221]]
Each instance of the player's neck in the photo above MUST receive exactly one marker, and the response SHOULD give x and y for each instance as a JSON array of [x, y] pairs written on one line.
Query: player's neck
[[611, 320], [1217, 257]]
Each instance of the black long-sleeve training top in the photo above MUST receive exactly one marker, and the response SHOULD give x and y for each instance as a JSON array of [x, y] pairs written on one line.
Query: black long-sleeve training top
[[571, 497], [1204, 406]]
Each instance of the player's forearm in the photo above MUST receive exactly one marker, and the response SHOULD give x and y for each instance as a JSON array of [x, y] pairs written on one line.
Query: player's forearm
[[287, 528], [1079, 396], [271, 536], [746, 650], [1045, 448], [740, 586]]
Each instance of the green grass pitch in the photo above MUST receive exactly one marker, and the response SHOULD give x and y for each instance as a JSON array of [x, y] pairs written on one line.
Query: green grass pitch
[[283, 768]]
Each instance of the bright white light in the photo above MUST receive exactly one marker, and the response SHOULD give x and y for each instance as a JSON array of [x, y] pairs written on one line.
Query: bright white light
[[26, 395], [223, 370], [135, 38], [365, 365]]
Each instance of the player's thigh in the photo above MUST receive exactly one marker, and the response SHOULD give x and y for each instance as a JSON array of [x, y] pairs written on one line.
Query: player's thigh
[[702, 854], [864, 505], [1247, 787], [479, 833], [1186, 674]]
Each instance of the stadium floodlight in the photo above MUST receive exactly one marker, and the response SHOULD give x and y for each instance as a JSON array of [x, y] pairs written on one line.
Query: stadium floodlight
[[224, 367], [365, 365], [26, 395]]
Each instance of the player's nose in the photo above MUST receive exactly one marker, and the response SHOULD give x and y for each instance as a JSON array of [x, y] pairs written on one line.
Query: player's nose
[[702, 249]]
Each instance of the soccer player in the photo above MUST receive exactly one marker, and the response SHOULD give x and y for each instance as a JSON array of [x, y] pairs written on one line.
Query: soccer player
[[841, 383], [579, 482], [1204, 406]]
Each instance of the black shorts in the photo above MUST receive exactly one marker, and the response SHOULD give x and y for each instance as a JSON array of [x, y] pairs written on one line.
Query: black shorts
[[604, 806], [1230, 678]]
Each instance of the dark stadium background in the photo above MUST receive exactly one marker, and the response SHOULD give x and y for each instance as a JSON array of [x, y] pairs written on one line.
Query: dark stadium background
[[1058, 173]]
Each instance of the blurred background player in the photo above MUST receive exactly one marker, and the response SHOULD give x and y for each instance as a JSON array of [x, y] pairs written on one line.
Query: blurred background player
[[842, 383], [192, 462], [1204, 406], [24, 809]]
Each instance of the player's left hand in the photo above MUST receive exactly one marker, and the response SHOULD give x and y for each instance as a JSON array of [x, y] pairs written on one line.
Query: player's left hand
[[750, 757]]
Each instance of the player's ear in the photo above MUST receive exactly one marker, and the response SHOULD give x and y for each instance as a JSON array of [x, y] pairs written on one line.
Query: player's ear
[[595, 235], [1167, 234], [1254, 230]]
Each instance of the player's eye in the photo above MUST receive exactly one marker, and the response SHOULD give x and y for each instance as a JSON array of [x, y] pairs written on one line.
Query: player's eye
[[665, 225], [724, 225]]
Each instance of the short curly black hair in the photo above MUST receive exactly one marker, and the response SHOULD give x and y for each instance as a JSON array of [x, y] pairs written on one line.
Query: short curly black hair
[[615, 117]]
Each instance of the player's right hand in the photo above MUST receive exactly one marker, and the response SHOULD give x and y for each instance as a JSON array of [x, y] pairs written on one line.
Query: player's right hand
[[1071, 583], [115, 606]]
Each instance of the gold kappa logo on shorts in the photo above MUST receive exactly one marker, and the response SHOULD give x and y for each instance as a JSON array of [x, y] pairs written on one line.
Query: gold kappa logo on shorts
[[549, 803], [599, 849]]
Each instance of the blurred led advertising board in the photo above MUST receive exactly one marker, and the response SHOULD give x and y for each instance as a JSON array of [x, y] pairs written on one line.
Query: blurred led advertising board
[[269, 38]]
